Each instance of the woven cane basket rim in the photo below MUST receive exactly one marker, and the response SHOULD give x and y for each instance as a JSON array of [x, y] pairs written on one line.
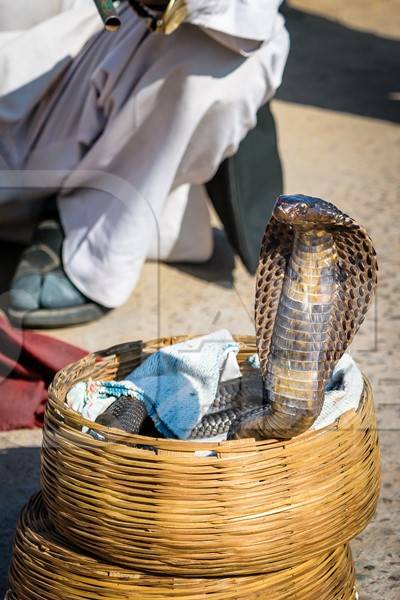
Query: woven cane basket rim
[[46, 567], [154, 505]]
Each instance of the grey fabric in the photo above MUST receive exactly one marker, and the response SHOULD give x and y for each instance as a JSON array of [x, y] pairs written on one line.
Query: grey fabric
[[246, 186]]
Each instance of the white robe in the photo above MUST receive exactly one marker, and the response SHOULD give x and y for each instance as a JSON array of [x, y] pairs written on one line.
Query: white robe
[[115, 122]]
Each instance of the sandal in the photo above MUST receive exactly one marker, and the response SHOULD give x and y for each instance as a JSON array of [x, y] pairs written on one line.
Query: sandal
[[41, 295]]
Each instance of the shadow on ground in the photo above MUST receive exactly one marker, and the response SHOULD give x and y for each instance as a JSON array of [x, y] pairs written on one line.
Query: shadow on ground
[[219, 269], [334, 67], [10, 253], [20, 479]]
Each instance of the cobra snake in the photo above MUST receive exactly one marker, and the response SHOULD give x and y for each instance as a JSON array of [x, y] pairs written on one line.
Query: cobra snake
[[315, 281]]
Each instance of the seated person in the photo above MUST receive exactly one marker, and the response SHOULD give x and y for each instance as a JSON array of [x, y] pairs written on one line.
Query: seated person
[[114, 131]]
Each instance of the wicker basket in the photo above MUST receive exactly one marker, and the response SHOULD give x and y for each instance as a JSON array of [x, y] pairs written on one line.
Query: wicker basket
[[253, 507], [46, 567]]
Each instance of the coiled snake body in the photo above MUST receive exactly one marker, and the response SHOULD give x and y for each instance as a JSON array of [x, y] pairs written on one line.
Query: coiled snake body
[[315, 281]]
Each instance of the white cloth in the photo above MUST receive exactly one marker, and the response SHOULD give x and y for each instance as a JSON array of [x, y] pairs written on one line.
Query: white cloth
[[240, 19], [348, 395], [32, 60], [129, 119], [24, 14], [184, 233]]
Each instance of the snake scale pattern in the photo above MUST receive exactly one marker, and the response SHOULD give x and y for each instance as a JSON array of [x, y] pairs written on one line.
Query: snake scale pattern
[[315, 281]]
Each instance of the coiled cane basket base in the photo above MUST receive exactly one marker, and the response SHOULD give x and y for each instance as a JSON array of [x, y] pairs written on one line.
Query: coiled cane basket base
[[157, 505], [46, 567]]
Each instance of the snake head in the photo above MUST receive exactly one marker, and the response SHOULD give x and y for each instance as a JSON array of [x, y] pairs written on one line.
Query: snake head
[[306, 211]]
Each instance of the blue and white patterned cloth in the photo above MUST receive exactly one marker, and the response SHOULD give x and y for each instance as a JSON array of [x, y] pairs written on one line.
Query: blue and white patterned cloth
[[91, 398]]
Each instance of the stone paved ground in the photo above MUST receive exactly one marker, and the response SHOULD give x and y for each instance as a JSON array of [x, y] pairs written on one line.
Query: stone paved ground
[[336, 114]]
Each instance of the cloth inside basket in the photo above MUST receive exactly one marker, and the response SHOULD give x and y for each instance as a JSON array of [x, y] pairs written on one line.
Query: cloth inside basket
[[178, 384], [343, 392]]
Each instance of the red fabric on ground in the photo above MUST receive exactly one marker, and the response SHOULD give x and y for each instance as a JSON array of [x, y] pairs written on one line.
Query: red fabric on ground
[[28, 363]]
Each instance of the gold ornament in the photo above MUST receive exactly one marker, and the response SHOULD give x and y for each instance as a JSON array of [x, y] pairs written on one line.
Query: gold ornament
[[174, 15]]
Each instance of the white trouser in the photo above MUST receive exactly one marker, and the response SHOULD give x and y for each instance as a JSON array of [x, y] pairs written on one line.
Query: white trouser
[[118, 132]]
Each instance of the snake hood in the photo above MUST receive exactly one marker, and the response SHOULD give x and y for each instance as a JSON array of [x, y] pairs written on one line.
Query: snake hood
[[315, 282]]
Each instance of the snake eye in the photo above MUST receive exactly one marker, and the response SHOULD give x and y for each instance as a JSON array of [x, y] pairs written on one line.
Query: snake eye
[[303, 208]]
